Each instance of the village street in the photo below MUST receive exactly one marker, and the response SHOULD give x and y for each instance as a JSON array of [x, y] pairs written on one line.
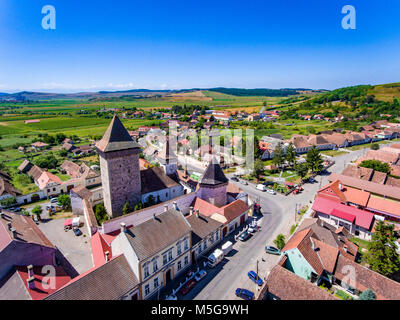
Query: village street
[[279, 214]]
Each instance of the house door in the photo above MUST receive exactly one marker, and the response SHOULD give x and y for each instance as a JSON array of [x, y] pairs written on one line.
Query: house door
[[135, 297], [242, 219], [224, 231], [168, 276]]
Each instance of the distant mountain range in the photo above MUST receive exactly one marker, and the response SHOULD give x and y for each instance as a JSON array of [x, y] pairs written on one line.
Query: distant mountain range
[[143, 93]]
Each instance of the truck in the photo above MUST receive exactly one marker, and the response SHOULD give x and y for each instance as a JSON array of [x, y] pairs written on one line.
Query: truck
[[226, 247], [214, 258]]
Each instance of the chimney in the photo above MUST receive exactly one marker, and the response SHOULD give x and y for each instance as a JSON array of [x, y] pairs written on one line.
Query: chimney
[[123, 227], [30, 271], [107, 253], [197, 213], [9, 225], [175, 205], [345, 248], [31, 283], [14, 232], [165, 208], [190, 210]]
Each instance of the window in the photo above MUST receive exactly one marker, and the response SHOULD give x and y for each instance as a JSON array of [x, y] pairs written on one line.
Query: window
[[147, 289], [170, 255], [186, 260], [186, 244], [179, 265], [199, 250], [212, 238], [146, 271], [179, 249], [155, 266], [165, 259], [205, 244], [155, 283], [216, 235]]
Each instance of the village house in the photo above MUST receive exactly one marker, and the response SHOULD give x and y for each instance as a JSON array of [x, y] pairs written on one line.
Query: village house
[[158, 250], [111, 280], [318, 258], [206, 233], [39, 146], [25, 258]]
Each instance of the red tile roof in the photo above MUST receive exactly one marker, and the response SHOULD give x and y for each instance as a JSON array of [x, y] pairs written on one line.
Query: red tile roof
[[363, 218], [40, 292]]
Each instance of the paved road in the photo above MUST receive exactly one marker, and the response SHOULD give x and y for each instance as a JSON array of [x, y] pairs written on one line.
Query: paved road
[[278, 217]]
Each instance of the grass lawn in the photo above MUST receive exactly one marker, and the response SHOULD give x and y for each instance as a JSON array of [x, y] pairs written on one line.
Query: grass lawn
[[333, 153]]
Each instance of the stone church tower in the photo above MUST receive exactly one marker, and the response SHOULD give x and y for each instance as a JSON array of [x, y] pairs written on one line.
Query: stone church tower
[[212, 187], [120, 170], [168, 159]]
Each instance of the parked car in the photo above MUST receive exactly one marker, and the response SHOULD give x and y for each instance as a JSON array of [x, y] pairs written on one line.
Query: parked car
[[252, 229], [253, 276], [53, 200], [272, 250], [77, 232], [188, 286], [268, 183], [244, 182], [200, 275], [244, 236], [171, 297], [270, 191], [235, 179], [261, 187], [244, 294]]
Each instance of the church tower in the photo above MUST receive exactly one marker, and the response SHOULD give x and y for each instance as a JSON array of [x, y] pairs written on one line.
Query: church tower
[[212, 187], [168, 159], [120, 171]]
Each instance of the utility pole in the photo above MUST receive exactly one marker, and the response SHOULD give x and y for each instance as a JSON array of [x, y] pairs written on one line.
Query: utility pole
[[295, 211], [257, 276]]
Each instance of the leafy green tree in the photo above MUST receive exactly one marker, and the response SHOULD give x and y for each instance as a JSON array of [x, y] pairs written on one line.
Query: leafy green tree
[[280, 241], [37, 211], [60, 137], [63, 153], [374, 146], [291, 154], [382, 256], [314, 160], [367, 295], [258, 169], [301, 169], [49, 139], [376, 165], [151, 201], [101, 213], [279, 157], [64, 201], [127, 208], [46, 162]]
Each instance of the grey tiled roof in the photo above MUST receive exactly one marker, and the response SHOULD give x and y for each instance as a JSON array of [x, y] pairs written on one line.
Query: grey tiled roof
[[154, 235], [213, 174], [116, 138], [108, 282]]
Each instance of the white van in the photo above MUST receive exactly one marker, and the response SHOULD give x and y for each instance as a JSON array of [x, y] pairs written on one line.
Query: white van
[[261, 187], [216, 257]]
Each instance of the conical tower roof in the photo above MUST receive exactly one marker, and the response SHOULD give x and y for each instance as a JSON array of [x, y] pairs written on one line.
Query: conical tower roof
[[214, 174], [116, 138]]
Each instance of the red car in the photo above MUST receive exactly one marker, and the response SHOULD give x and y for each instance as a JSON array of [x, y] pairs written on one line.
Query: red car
[[188, 286]]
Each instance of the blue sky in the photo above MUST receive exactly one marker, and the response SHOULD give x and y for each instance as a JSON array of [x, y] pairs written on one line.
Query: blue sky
[[170, 44]]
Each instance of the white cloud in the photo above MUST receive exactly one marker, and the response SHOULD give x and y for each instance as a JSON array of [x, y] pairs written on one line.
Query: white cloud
[[121, 85]]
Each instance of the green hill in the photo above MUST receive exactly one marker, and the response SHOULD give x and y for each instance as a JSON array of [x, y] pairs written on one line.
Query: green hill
[[358, 103]]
